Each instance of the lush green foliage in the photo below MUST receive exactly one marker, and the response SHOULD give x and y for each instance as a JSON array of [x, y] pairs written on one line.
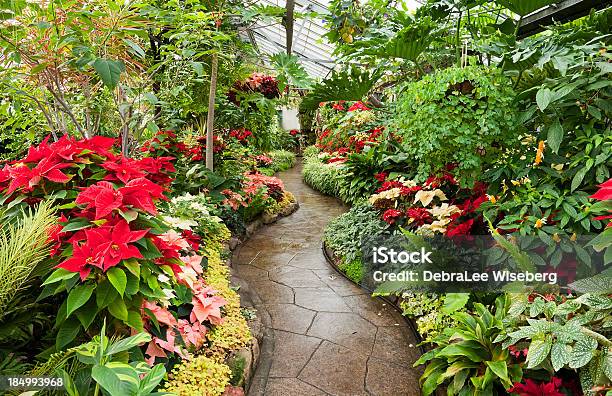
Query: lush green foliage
[[347, 233], [459, 116], [322, 177]]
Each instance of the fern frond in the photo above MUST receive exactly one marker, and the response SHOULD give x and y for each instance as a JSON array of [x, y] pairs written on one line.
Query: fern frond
[[23, 246]]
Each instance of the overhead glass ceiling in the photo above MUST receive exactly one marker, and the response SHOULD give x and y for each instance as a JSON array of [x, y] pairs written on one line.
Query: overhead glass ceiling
[[314, 51]]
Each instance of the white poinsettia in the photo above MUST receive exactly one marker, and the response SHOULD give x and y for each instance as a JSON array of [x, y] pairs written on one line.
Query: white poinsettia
[[444, 210], [388, 194], [425, 197], [437, 226], [182, 224]]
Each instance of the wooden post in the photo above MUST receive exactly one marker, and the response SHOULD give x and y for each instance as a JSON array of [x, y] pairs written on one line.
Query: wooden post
[[289, 24], [211, 112]]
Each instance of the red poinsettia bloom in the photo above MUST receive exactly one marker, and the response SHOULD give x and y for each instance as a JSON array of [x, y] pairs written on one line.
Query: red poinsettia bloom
[[381, 177], [409, 190], [531, 388], [84, 257], [125, 170], [192, 238], [102, 197], [460, 229], [391, 215], [358, 106], [140, 194], [605, 191], [419, 216], [338, 106], [48, 168], [113, 243], [388, 185]]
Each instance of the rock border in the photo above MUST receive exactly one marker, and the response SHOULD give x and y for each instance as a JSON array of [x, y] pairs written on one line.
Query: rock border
[[393, 302], [252, 352]]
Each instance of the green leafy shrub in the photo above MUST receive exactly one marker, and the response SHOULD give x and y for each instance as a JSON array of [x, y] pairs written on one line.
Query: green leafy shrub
[[345, 234], [281, 160], [310, 151], [353, 269], [559, 332], [468, 359], [458, 116], [322, 177]]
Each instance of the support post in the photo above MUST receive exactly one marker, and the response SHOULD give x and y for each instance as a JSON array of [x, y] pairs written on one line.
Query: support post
[[211, 112]]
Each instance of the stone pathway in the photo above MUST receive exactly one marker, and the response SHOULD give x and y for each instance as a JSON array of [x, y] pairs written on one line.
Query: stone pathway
[[323, 334]]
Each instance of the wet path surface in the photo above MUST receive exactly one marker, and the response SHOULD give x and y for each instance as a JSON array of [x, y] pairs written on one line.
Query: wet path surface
[[323, 334]]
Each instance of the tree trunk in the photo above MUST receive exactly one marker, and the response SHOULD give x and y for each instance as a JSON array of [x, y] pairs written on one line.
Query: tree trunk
[[211, 112], [289, 25]]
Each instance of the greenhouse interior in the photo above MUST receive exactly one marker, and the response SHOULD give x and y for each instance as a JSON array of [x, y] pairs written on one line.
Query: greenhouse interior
[[305, 198]]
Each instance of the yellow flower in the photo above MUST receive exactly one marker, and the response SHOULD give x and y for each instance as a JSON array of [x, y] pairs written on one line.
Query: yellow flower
[[556, 237], [540, 153], [539, 223], [492, 198]]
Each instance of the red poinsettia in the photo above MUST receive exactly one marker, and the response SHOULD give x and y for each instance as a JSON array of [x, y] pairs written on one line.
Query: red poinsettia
[[381, 177], [114, 243], [605, 191], [48, 168], [140, 193], [84, 257], [358, 106], [391, 215], [532, 388], [459, 229], [419, 216], [125, 170], [102, 197]]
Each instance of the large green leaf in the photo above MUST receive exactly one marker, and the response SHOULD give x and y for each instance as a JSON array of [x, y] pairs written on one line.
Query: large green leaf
[[290, 72], [538, 352], [350, 84], [118, 279], [109, 71], [128, 343], [583, 352], [408, 43], [152, 379], [560, 355], [78, 297]]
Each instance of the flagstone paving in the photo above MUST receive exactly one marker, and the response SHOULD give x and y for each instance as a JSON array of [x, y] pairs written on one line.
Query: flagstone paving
[[323, 334]]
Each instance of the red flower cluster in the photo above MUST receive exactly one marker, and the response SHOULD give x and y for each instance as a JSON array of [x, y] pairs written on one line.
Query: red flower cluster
[[241, 135], [532, 388], [603, 194], [358, 106], [256, 82], [294, 132]]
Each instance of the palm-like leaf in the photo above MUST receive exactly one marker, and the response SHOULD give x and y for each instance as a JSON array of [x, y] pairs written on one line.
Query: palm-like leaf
[[290, 72], [350, 84], [22, 246], [408, 43]]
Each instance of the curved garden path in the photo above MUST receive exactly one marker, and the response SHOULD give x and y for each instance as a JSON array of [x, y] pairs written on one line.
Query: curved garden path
[[323, 334]]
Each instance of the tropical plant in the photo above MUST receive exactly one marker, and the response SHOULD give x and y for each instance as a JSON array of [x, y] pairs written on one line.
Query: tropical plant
[[467, 359], [24, 244], [461, 117], [563, 332]]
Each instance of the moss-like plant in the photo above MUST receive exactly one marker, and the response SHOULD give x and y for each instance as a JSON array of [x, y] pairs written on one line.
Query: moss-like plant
[[200, 376], [233, 332]]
